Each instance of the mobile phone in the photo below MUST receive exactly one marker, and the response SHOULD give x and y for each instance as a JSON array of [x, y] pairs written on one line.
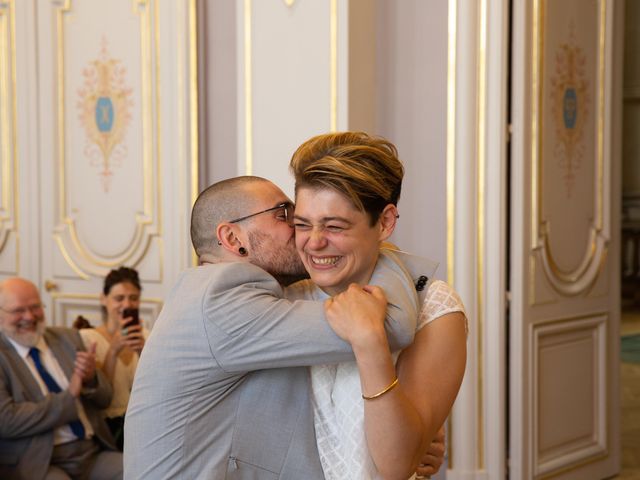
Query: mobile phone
[[134, 314]]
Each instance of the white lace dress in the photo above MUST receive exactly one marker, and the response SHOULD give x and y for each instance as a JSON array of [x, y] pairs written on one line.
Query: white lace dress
[[337, 402]]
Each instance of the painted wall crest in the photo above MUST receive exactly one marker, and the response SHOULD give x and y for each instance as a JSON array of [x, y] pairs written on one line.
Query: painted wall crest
[[570, 108], [105, 112]]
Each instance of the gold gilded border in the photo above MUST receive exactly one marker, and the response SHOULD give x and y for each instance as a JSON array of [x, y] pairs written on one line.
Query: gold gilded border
[[451, 166], [599, 320], [8, 125], [480, 234], [585, 274], [194, 103], [67, 229], [150, 305], [193, 98], [248, 91], [333, 65]]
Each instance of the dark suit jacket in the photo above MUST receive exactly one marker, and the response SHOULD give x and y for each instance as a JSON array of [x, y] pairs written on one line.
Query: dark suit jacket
[[28, 418]]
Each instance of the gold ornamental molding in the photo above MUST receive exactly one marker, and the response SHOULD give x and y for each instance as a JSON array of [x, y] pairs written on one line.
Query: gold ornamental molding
[[561, 329], [65, 304], [452, 32], [148, 222], [582, 277], [8, 124]]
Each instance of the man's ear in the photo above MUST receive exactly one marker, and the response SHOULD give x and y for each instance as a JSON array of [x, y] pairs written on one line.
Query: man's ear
[[388, 219], [228, 236]]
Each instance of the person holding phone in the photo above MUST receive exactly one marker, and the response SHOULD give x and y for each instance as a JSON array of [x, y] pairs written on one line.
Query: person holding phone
[[119, 341]]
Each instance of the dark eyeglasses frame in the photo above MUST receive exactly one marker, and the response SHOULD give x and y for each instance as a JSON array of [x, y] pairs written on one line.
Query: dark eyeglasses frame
[[285, 206]]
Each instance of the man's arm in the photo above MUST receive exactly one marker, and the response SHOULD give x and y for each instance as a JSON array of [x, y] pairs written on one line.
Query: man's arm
[[403, 305], [24, 419], [251, 327], [401, 417]]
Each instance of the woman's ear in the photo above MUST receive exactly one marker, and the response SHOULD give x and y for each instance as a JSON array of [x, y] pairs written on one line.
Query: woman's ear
[[103, 300], [388, 219]]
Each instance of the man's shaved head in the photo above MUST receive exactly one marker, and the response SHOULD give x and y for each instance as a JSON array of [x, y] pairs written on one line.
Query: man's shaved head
[[218, 203]]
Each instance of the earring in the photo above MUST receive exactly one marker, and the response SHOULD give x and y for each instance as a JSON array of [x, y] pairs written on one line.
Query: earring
[[219, 242], [242, 251]]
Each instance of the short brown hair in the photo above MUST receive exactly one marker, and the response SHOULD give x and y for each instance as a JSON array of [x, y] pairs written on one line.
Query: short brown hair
[[364, 168]]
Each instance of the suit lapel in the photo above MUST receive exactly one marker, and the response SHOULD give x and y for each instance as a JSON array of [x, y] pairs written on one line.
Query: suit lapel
[[62, 355], [18, 367]]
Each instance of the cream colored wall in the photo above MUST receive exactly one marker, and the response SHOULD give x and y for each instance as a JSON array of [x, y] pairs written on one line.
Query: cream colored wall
[[391, 81], [411, 97]]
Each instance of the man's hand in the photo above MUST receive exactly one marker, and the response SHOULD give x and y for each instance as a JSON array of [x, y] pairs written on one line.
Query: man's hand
[[86, 363], [357, 314], [433, 458], [84, 370]]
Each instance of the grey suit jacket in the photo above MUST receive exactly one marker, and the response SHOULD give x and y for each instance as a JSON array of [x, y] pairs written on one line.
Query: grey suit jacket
[[221, 389], [28, 418]]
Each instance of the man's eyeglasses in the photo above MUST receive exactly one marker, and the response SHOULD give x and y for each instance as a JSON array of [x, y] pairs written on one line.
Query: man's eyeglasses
[[35, 309], [285, 214]]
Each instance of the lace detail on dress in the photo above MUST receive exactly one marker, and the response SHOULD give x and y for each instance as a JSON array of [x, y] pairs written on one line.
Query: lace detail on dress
[[338, 410], [440, 300]]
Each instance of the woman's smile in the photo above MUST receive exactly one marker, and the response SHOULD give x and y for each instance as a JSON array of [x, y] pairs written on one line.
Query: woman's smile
[[335, 240]]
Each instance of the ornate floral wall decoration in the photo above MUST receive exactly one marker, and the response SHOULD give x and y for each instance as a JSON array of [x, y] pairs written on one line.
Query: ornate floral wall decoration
[[105, 112], [570, 108]]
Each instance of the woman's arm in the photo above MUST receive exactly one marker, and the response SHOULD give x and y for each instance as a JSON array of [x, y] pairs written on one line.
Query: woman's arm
[[400, 423]]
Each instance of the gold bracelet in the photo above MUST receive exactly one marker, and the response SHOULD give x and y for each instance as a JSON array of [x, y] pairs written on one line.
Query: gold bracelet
[[379, 394]]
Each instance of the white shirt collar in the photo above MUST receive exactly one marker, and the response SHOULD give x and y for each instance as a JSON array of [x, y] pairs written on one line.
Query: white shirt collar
[[24, 351]]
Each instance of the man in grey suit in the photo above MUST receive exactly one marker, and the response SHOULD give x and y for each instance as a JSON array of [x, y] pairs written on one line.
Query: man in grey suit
[[222, 389], [50, 397]]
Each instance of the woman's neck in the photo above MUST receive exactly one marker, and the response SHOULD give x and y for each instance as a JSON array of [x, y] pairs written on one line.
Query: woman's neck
[[110, 327]]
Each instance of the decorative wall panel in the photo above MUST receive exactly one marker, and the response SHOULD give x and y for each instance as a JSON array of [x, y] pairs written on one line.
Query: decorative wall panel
[[107, 133], [67, 307], [570, 170], [569, 388], [9, 263]]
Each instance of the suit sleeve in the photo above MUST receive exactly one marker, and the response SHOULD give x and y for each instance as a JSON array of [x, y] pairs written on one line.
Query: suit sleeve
[[403, 308], [251, 327], [28, 418]]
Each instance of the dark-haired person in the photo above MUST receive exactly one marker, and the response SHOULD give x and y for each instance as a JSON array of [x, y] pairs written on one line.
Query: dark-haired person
[[118, 344]]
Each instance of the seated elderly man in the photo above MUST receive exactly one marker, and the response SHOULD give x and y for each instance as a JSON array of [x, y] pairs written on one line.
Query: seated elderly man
[[50, 396]]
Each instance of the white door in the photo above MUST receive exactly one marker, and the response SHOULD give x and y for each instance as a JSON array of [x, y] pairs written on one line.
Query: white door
[[108, 160], [564, 313]]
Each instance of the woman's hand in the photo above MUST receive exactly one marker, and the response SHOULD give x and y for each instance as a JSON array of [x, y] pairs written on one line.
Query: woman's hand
[[131, 335], [357, 315]]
